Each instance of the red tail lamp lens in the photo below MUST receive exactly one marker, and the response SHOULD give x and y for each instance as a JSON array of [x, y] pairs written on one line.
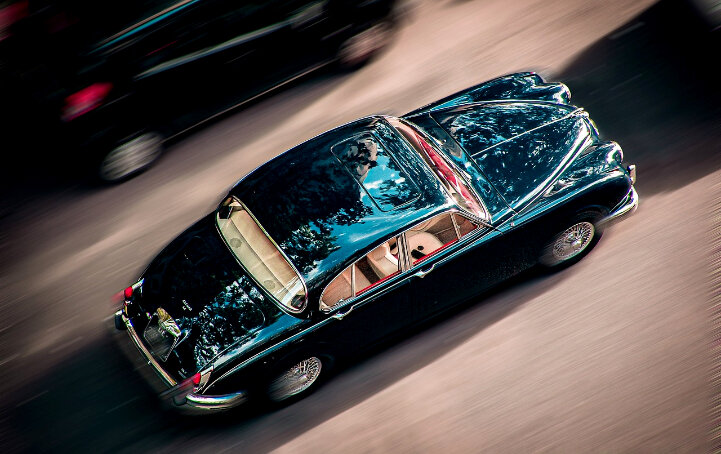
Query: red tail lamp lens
[[128, 292], [195, 379], [85, 100]]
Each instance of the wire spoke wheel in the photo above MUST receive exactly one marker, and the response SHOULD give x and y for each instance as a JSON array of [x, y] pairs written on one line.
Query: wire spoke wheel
[[295, 380], [573, 241]]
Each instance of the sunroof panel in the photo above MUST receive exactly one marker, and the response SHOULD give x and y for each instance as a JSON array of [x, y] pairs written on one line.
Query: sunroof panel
[[373, 167]]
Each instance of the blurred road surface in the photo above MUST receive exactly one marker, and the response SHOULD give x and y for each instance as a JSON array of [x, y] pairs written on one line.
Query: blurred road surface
[[609, 355]]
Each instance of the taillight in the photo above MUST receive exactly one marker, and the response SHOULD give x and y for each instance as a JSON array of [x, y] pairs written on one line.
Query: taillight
[[10, 15], [133, 289], [198, 380], [85, 100]]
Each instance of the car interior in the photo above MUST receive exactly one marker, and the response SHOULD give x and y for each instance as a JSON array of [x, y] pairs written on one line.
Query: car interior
[[381, 263]]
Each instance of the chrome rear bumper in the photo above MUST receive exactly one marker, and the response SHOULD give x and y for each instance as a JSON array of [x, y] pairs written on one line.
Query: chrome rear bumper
[[167, 387]]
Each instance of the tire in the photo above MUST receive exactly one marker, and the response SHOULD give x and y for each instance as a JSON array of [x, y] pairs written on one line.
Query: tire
[[360, 48], [130, 157], [572, 242], [295, 380]]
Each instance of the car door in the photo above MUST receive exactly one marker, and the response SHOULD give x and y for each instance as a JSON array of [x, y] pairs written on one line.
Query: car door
[[428, 268], [368, 301], [455, 271]]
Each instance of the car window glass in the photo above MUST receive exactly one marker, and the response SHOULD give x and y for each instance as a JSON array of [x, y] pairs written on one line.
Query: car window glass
[[259, 254], [380, 264], [451, 179], [373, 167], [341, 288], [377, 266], [430, 236], [465, 226]]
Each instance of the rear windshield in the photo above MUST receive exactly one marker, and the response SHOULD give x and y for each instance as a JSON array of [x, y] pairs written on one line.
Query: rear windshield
[[259, 255]]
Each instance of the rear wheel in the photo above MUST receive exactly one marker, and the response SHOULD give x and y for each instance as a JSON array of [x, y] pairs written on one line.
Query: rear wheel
[[572, 243], [130, 157], [296, 380]]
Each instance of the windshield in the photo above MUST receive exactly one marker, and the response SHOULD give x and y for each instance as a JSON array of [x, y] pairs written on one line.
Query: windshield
[[259, 255], [453, 182]]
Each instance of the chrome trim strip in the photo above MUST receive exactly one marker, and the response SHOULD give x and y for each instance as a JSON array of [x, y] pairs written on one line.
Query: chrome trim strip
[[568, 161], [467, 241], [628, 206], [271, 348], [632, 172], [145, 22], [146, 353], [458, 171], [404, 255], [238, 40], [222, 402], [578, 111]]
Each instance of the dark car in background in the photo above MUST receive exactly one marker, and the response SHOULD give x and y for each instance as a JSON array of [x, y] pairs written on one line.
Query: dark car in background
[[368, 230], [110, 82]]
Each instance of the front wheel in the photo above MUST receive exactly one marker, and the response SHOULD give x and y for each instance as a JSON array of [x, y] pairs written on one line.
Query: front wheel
[[571, 244], [296, 380], [363, 46]]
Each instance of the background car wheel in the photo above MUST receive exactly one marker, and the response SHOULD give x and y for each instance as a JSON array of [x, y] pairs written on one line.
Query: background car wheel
[[130, 157], [572, 243], [297, 380], [360, 48]]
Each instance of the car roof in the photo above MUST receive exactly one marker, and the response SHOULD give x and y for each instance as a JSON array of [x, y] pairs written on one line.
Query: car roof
[[322, 215]]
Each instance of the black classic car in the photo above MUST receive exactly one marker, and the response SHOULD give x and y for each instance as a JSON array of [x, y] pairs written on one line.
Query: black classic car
[[115, 80], [367, 230]]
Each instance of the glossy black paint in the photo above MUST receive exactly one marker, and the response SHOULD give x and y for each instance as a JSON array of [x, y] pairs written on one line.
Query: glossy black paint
[[319, 215], [537, 166], [218, 308]]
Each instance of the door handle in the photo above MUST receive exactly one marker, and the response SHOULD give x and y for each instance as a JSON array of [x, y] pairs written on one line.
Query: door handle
[[340, 315], [424, 271]]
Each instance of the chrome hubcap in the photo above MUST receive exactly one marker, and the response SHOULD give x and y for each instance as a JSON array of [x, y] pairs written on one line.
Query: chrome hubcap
[[573, 240], [296, 380], [131, 156]]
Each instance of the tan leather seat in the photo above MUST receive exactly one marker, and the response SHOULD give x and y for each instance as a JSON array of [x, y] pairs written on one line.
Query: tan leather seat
[[423, 242], [382, 261], [341, 288]]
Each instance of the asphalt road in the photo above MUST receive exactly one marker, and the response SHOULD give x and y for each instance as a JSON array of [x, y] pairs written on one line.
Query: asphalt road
[[610, 355]]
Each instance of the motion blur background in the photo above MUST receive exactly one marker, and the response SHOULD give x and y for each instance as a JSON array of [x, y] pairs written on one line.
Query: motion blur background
[[613, 354]]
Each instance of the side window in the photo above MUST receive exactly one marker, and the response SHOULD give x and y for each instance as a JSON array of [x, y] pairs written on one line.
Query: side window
[[435, 234], [465, 226], [380, 264], [384, 261], [341, 288]]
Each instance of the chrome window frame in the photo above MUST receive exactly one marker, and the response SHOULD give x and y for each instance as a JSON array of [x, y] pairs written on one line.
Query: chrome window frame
[[404, 261], [459, 172], [343, 302], [289, 309]]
